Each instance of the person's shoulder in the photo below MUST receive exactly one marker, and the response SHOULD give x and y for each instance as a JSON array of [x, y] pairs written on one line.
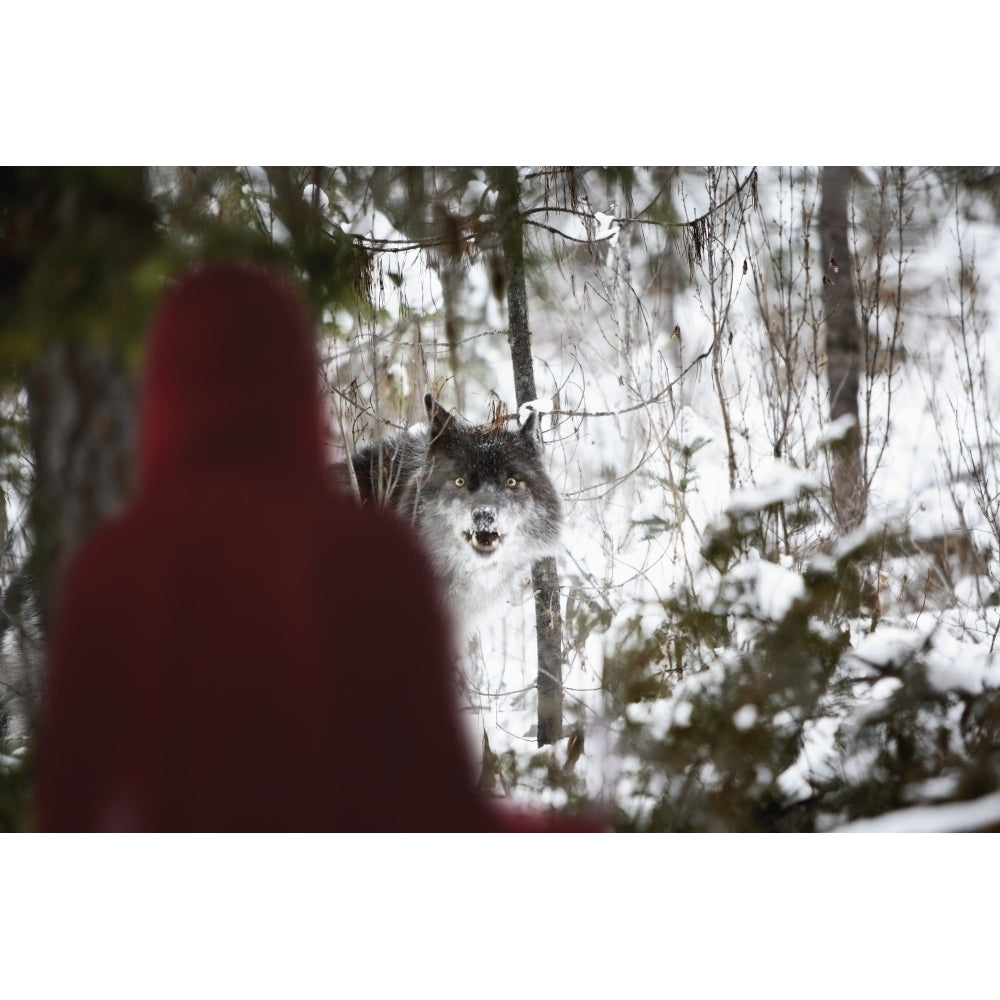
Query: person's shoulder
[[102, 554]]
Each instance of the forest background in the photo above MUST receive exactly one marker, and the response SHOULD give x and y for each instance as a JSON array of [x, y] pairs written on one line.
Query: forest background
[[768, 404], [785, 906]]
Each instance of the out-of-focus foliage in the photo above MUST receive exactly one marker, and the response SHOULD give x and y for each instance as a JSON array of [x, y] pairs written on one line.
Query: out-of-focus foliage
[[789, 718], [84, 251], [77, 251], [15, 792]]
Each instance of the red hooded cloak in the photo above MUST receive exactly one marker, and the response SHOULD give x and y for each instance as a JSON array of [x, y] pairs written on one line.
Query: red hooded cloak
[[242, 649]]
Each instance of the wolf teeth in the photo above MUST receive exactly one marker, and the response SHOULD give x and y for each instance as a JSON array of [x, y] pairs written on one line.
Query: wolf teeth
[[483, 541]]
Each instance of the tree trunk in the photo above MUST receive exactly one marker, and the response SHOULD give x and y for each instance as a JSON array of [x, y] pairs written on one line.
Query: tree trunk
[[544, 575], [843, 347], [72, 240], [81, 426]]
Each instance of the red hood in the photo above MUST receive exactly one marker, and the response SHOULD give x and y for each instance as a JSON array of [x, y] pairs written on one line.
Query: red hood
[[231, 371]]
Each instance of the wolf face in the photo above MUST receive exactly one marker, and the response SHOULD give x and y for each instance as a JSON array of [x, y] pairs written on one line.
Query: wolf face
[[480, 498]]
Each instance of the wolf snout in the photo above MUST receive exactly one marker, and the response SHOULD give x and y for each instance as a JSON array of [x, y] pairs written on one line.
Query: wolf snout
[[484, 518], [484, 535]]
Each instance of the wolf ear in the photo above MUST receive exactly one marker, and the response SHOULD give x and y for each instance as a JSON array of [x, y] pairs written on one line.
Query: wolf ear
[[439, 417], [531, 430]]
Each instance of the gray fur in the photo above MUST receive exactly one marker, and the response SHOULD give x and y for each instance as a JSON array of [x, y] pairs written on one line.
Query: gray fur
[[480, 498]]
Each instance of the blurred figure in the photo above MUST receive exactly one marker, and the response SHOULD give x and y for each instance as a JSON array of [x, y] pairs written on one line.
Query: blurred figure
[[241, 649]]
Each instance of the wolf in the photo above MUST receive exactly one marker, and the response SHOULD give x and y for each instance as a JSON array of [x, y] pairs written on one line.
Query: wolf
[[479, 498]]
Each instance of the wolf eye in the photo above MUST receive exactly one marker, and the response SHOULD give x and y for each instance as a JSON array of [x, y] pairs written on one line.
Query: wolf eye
[[459, 481], [511, 482]]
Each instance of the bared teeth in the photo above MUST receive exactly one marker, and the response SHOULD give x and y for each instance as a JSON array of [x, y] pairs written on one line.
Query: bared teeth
[[484, 541]]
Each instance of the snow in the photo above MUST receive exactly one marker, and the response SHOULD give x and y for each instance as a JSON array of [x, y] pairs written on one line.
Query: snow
[[953, 817], [889, 648], [658, 716], [607, 229], [745, 717], [952, 666], [784, 485], [762, 589], [534, 406], [837, 430], [311, 191]]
